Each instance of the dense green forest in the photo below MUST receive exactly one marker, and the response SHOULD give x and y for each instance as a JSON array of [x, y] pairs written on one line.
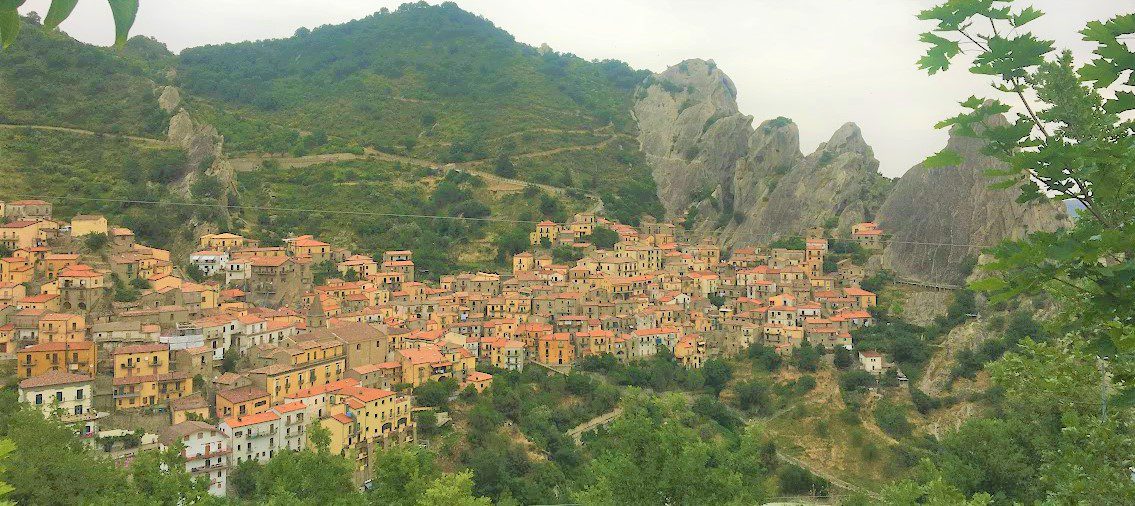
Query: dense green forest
[[421, 75], [432, 82], [49, 79]]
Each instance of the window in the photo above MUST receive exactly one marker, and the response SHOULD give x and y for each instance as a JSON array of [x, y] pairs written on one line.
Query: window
[[59, 396], [79, 394], [38, 399]]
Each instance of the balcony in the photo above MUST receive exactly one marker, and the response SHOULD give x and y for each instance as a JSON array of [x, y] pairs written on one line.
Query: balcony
[[125, 395], [203, 455], [211, 467], [252, 434]]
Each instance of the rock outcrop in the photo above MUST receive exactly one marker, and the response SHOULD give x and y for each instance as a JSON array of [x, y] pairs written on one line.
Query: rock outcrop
[[940, 219], [750, 186], [690, 131], [170, 99], [746, 185], [839, 183]]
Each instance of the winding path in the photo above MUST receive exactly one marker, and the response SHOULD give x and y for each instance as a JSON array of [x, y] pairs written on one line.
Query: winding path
[[577, 433], [80, 131]]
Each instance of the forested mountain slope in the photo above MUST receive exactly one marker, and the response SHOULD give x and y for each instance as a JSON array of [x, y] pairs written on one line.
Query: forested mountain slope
[[50, 79], [432, 82]]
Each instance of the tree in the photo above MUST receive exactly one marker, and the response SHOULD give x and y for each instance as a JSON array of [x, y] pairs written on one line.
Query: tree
[[160, 476], [96, 242], [503, 166], [403, 474], [716, 300], [717, 374], [645, 456], [433, 394], [806, 357], [319, 437], [306, 477], [764, 357], [851, 381], [795, 480], [842, 358], [243, 479], [54, 467], [207, 186], [892, 419], [603, 237], [453, 490], [1069, 143], [427, 422], [753, 395], [229, 360]]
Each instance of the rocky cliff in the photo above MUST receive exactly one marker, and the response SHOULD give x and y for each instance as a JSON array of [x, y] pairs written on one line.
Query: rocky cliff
[[940, 219], [690, 131], [749, 185]]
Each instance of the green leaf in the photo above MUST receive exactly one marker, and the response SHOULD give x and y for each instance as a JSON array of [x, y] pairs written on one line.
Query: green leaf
[[944, 158], [1124, 101], [9, 27], [124, 12], [59, 11], [6, 5], [1024, 17]]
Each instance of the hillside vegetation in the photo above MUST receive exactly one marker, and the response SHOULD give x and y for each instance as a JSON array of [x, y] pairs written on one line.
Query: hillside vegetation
[[373, 186], [50, 79], [436, 73], [56, 164], [431, 82]]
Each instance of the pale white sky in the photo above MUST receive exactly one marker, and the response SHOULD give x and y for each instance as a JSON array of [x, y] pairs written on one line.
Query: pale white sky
[[820, 62]]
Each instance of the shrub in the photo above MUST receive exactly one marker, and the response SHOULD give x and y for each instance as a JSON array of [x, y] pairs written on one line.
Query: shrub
[[892, 419], [795, 480], [852, 381]]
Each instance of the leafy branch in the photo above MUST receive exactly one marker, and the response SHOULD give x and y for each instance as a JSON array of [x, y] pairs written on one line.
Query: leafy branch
[[123, 11]]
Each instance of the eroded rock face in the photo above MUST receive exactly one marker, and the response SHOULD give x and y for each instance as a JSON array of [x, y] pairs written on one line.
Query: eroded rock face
[[839, 181], [690, 131], [201, 142], [940, 219], [751, 186], [170, 99], [745, 184]]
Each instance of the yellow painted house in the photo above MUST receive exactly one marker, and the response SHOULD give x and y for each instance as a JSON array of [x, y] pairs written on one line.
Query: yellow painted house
[[307, 364], [142, 377], [86, 224], [62, 327]]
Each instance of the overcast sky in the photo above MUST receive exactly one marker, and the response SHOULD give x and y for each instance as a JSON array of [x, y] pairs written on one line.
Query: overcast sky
[[820, 62]]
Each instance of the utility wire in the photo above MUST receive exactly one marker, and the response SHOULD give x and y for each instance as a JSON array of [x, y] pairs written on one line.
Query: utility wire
[[264, 208], [422, 216]]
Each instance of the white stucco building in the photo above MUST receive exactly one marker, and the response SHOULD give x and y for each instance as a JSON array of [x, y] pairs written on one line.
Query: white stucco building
[[66, 393], [207, 452]]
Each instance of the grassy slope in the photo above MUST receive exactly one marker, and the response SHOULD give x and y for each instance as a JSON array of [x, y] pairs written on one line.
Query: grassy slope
[[386, 187], [54, 164], [432, 82], [50, 79]]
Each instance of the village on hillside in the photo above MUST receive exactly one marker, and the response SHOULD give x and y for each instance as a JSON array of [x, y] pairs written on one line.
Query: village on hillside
[[236, 351]]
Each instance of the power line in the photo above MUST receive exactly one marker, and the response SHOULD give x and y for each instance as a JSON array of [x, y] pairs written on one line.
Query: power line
[[422, 216], [272, 209]]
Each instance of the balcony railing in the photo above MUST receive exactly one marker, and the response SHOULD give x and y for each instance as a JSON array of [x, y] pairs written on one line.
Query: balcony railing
[[210, 467], [261, 433]]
